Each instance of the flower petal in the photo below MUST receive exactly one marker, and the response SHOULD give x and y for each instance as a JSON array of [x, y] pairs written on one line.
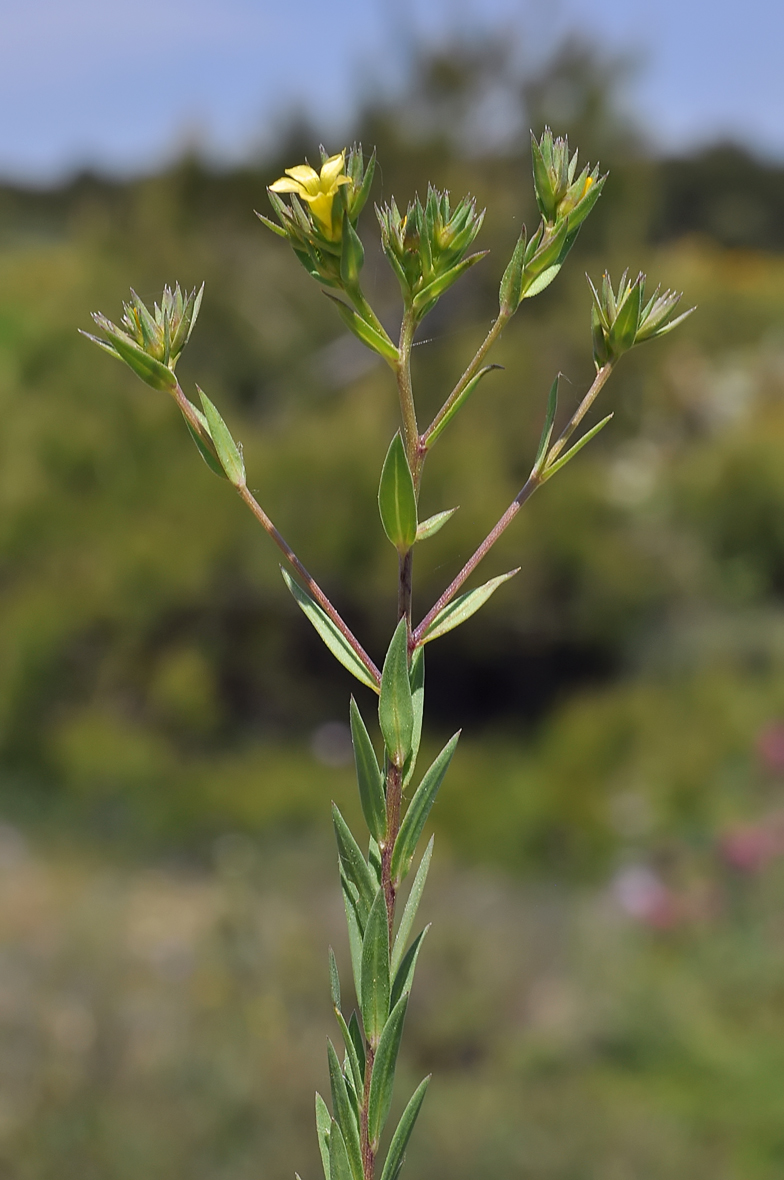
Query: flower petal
[[331, 170], [284, 185]]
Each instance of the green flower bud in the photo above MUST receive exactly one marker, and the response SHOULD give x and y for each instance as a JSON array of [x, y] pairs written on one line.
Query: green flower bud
[[621, 320]]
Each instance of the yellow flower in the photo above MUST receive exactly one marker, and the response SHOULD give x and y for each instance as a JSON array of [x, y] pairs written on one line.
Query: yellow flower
[[318, 189]]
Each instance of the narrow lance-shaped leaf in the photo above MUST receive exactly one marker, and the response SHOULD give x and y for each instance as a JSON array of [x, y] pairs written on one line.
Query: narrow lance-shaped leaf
[[547, 429], [357, 1070], [369, 778], [416, 676], [578, 446], [512, 281], [397, 498], [227, 450], [323, 1127], [375, 970], [204, 444], [355, 1032], [343, 1114], [354, 937], [395, 706], [353, 862], [382, 1079], [334, 981], [339, 1163], [397, 1148], [411, 907], [437, 288], [458, 404], [369, 336], [329, 633], [428, 528], [419, 809], [404, 976], [461, 608]]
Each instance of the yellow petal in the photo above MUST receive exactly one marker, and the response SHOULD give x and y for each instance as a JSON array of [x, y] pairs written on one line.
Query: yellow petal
[[284, 185], [331, 170], [304, 175]]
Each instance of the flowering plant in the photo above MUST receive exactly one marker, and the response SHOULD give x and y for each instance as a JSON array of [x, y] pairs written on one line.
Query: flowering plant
[[427, 249]]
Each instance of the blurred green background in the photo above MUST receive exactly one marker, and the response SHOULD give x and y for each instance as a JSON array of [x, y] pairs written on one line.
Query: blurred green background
[[603, 989]]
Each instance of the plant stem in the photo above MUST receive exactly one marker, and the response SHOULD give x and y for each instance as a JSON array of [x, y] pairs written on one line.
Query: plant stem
[[405, 586], [579, 413], [313, 587], [490, 339], [525, 494]]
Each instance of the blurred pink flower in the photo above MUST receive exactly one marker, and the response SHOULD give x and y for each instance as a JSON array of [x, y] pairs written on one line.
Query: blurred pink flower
[[749, 847], [645, 897], [770, 747]]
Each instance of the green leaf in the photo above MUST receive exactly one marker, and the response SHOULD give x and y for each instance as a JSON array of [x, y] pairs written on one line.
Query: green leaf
[[206, 448], [328, 632], [461, 608], [343, 1113], [355, 1032], [428, 528], [323, 1126], [404, 976], [547, 429], [397, 1148], [227, 450], [578, 446], [395, 706], [512, 282], [437, 288], [411, 907], [339, 1164], [397, 498], [382, 1079], [352, 254], [542, 281], [354, 935], [374, 861], [357, 1071], [457, 405], [369, 336], [334, 981], [352, 861], [416, 676], [375, 970], [369, 777], [418, 811]]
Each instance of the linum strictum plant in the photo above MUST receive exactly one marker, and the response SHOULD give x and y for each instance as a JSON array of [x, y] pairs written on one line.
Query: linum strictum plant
[[427, 248]]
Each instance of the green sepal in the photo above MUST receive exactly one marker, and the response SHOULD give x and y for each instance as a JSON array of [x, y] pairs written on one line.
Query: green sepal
[[323, 1127], [545, 197], [229, 455], [542, 281], [624, 328], [397, 1148], [352, 861], [343, 1115], [339, 1162], [410, 910], [458, 404], [395, 706], [382, 1079], [461, 608], [357, 1071], [328, 632], [547, 429], [436, 289], [428, 528], [364, 332], [276, 229], [404, 976], [578, 446], [360, 198], [355, 1032], [375, 970], [334, 981], [418, 811], [369, 777], [396, 497], [354, 934], [352, 255]]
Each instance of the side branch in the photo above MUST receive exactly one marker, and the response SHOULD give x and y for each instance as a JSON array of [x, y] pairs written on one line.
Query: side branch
[[490, 339], [312, 585]]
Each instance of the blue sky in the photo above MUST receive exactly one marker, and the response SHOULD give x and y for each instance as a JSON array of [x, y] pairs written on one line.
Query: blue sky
[[123, 87]]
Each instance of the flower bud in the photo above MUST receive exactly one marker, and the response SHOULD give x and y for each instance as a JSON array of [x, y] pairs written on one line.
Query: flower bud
[[621, 320], [559, 193]]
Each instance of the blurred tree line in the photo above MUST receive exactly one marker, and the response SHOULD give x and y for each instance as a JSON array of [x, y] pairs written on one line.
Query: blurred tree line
[[156, 678]]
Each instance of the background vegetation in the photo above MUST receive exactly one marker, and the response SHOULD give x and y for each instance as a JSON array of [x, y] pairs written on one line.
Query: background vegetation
[[171, 731]]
